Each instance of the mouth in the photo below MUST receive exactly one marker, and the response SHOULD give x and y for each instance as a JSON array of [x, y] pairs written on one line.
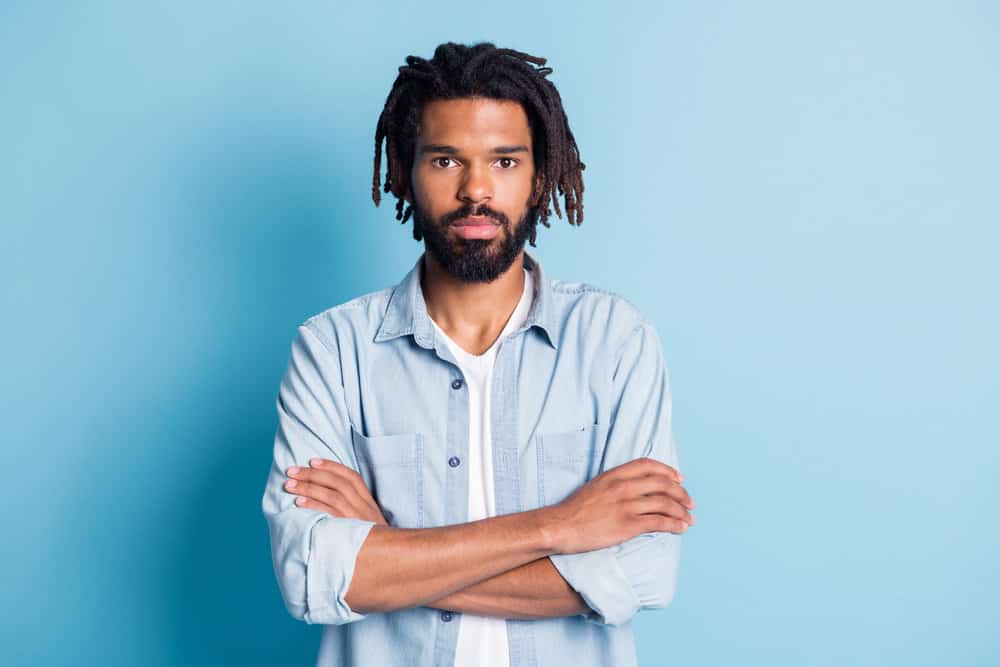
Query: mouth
[[476, 227], [476, 221]]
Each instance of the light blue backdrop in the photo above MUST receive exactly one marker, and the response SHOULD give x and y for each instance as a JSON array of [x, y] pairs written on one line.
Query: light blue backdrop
[[803, 197]]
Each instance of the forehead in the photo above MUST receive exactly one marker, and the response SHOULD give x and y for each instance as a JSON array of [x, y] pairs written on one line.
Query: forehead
[[474, 122]]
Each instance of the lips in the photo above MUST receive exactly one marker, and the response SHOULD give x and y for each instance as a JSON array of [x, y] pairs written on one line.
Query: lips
[[476, 227], [476, 221]]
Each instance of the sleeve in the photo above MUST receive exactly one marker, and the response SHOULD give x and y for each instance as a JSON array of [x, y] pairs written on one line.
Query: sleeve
[[314, 554], [640, 573]]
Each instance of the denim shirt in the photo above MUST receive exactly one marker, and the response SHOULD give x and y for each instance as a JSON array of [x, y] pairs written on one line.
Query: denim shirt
[[579, 388]]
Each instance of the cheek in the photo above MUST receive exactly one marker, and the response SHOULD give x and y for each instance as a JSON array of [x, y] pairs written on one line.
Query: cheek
[[433, 192], [516, 191], [520, 184]]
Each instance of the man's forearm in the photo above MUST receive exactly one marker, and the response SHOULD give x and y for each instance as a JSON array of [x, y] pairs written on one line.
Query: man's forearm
[[398, 568], [530, 591]]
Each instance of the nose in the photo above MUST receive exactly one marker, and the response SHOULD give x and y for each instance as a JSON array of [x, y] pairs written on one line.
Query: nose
[[476, 186]]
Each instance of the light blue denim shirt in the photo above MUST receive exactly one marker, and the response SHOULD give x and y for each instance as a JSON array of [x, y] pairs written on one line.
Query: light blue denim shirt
[[579, 388]]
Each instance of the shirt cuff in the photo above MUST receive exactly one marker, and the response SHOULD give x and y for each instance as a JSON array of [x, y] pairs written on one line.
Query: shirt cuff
[[333, 554], [617, 581]]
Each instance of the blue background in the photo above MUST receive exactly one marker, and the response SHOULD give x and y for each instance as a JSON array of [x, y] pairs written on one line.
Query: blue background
[[802, 196]]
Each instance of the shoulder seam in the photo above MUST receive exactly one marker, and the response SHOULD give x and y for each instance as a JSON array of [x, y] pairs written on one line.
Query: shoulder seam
[[351, 304], [318, 335], [579, 288], [582, 288]]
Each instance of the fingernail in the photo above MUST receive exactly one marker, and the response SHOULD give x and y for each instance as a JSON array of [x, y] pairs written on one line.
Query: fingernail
[[292, 484], [316, 462], [300, 501], [294, 470]]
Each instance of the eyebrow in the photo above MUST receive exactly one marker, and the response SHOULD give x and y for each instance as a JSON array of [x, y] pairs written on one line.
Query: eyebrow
[[451, 150]]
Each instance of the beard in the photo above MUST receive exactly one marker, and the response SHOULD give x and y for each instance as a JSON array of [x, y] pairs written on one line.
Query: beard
[[475, 260]]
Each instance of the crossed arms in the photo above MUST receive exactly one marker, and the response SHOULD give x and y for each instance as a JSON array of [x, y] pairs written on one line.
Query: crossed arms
[[401, 568], [606, 552]]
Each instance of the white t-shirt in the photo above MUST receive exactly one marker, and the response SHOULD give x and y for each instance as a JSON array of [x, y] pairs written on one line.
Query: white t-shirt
[[482, 640]]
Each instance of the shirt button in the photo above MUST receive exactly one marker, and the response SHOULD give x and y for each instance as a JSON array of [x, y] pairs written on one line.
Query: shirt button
[[445, 616], [456, 383], [454, 461]]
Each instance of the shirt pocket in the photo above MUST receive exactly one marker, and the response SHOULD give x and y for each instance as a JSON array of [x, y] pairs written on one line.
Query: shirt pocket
[[564, 461], [391, 468]]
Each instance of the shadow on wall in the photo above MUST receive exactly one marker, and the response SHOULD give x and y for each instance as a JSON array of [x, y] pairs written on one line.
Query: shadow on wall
[[263, 233]]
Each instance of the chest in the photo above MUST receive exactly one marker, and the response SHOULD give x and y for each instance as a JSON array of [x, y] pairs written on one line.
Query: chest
[[411, 409]]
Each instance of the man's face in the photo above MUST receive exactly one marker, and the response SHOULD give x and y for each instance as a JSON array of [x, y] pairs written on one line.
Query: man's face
[[471, 183]]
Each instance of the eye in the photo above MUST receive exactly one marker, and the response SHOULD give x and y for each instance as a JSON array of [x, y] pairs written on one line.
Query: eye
[[507, 162], [437, 161]]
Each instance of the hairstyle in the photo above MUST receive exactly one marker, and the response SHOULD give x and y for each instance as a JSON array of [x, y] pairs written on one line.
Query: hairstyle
[[481, 70]]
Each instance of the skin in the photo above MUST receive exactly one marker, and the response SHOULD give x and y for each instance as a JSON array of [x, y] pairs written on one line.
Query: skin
[[477, 152], [398, 570]]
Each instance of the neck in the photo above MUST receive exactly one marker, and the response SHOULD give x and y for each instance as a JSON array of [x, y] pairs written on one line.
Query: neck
[[472, 314]]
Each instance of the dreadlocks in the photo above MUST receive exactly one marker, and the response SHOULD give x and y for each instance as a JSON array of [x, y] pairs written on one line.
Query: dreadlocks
[[481, 70]]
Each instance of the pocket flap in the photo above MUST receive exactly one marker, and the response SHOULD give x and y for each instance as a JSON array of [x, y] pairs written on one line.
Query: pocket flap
[[386, 450]]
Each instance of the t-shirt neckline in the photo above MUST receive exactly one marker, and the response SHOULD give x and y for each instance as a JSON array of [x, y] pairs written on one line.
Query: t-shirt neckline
[[518, 314]]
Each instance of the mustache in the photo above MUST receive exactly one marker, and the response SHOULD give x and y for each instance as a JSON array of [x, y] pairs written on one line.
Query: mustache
[[474, 211]]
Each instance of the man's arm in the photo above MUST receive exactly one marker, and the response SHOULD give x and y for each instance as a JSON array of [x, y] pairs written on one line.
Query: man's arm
[[600, 508], [530, 591], [640, 573], [621, 579], [334, 569], [318, 556], [398, 568], [612, 584]]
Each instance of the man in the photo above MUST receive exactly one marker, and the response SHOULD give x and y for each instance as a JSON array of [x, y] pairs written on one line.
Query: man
[[476, 466]]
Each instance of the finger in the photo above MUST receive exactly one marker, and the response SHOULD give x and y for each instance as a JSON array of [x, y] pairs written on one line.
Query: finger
[[332, 476], [678, 493], [337, 511], [649, 523], [309, 503], [660, 503], [319, 477], [352, 476], [315, 491], [658, 484], [325, 495], [644, 465], [340, 497]]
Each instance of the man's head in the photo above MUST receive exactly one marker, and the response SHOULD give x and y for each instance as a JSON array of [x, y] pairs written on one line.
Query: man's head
[[477, 135]]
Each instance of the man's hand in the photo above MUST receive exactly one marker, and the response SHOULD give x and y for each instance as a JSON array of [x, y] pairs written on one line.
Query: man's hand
[[643, 495], [640, 496], [333, 488], [534, 589]]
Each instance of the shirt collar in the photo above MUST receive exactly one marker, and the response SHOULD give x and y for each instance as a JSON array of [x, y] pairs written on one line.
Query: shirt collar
[[407, 311]]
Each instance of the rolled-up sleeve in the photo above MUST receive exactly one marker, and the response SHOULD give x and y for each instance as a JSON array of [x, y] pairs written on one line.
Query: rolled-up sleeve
[[314, 554], [640, 573]]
